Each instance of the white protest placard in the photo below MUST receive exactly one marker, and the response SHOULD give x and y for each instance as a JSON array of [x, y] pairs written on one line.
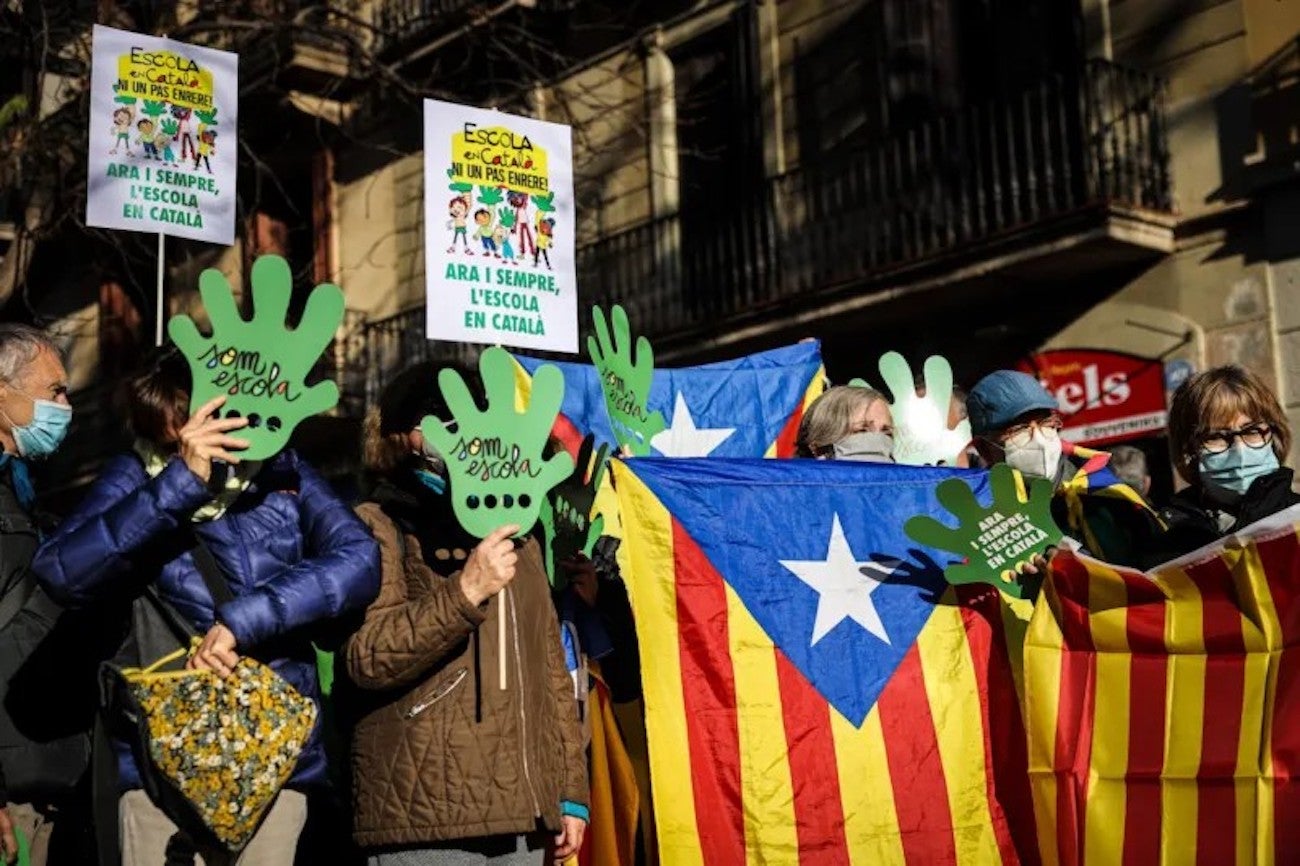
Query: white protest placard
[[162, 137], [498, 229]]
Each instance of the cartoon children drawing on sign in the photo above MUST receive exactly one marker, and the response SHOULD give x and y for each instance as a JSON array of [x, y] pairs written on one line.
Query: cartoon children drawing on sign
[[121, 129], [458, 210], [483, 219], [207, 146], [163, 141], [505, 228], [519, 204], [146, 138], [545, 232], [183, 134]]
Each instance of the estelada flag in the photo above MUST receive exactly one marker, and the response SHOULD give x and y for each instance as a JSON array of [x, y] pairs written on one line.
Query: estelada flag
[[744, 407], [1164, 709], [815, 693]]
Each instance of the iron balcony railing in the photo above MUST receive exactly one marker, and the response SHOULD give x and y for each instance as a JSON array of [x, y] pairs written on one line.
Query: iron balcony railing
[[1065, 145]]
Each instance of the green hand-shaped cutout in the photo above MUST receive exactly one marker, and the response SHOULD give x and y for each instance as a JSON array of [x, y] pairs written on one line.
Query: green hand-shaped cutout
[[494, 457], [625, 383], [506, 218], [153, 109], [458, 186], [207, 118], [922, 436], [261, 365], [545, 203], [170, 127], [489, 196], [996, 540], [566, 514]]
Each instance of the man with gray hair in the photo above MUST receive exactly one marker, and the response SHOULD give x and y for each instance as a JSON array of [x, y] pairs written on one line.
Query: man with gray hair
[[1130, 464], [39, 764]]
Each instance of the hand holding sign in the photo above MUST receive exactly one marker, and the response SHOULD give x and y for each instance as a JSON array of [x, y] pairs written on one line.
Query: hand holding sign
[[566, 514], [1000, 541], [625, 382], [261, 365], [922, 436], [494, 456]]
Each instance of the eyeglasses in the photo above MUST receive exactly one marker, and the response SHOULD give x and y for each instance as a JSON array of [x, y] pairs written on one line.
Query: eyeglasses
[[1254, 435], [1021, 435]]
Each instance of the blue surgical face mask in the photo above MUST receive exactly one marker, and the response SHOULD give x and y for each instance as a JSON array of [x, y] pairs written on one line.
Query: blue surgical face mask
[[1228, 475], [43, 435]]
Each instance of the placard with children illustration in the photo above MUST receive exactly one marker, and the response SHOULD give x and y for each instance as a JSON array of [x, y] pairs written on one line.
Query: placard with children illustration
[[499, 229], [162, 137]]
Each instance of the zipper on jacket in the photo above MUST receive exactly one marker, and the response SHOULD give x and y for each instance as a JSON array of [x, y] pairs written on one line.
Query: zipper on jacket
[[437, 695], [523, 715]]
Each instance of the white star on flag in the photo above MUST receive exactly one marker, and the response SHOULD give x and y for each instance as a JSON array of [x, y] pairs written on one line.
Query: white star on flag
[[844, 584], [684, 439]]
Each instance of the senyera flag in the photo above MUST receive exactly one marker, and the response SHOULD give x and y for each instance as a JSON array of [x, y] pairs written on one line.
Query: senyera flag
[[815, 693], [1164, 709], [745, 407]]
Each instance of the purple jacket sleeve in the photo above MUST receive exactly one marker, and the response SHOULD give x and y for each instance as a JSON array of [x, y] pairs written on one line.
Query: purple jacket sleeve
[[339, 572], [122, 513]]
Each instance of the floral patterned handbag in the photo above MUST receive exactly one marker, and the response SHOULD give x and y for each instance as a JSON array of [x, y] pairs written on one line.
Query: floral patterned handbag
[[213, 752]]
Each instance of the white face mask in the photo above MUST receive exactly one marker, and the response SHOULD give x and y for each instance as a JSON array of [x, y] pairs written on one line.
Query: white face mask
[[869, 447], [1040, 457]]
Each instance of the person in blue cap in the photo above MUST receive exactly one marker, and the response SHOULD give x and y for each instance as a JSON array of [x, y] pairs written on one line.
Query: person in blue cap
[[1016, 421]]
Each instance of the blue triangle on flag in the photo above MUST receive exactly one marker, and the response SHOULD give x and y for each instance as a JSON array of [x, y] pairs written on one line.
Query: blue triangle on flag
[[762, 523], [753, 396]]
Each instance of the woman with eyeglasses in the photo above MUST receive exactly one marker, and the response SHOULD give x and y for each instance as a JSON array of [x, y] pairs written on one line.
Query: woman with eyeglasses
[[1228, 436]]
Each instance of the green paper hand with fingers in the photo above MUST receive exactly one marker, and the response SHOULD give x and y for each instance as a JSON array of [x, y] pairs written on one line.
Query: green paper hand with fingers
[[997, 542], [566, 514], [494, 456], [624, 381], [922, 436], [261, 365]]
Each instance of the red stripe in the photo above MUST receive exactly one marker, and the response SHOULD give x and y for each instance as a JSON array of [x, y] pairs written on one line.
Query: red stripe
[[1074, 714], [568, 434], [915, 768], [1281, 560], [1148, 670], [709, 695], [1006, 758], [814, 771], [1225, 685], [785, 440]]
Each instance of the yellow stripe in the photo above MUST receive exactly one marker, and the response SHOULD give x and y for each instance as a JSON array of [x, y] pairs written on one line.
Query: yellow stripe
[[1262, 631], [1042, 672], [523, 386], [1108, 763], [1185, 700], [767, 790], [646, 560], [953, 693], [870, 817]]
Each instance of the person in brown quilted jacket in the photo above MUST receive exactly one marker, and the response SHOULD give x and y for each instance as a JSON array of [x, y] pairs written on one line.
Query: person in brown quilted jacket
[[457, 757]]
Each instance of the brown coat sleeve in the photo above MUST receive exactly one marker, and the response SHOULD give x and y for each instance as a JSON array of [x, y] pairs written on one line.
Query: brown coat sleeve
[[575, 787], [404, 636]]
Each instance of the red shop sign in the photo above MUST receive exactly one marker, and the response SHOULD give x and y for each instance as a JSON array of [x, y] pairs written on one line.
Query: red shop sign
[[1103, 396]]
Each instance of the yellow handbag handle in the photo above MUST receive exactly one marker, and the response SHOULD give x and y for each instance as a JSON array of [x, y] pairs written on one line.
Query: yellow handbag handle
[[152, 672]]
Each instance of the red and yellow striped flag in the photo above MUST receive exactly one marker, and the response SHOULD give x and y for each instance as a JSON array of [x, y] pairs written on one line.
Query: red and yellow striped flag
[[1163, 711], [774, 740]]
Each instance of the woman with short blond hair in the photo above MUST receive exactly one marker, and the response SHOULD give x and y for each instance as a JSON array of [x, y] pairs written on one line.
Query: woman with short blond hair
[[847, 422], [1228, 437]]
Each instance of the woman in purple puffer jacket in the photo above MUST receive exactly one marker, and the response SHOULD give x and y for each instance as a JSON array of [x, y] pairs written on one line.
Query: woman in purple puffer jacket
[[293, 553]]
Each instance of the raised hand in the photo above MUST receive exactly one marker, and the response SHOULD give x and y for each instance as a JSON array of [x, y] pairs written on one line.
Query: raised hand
[[566, 513], [495, 456], [260, 365], [921, 433], [491, 565], [205, 438], [1001, 543], [625, 382]]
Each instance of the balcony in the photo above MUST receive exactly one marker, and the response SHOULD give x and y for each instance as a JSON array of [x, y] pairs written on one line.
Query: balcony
[[1068, 176], [1064, 159]]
